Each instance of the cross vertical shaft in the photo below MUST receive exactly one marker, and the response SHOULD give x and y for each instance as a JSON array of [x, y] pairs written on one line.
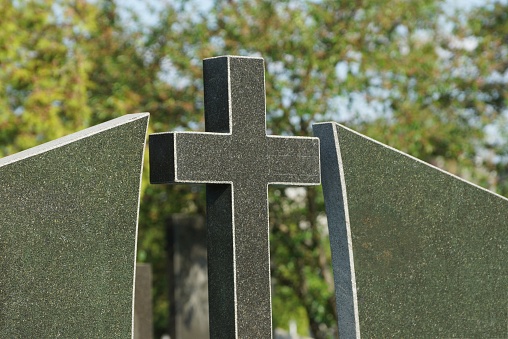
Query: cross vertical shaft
[[235, 104]]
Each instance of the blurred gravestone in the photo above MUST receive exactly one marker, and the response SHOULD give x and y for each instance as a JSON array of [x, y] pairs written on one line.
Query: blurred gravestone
[[143, 317], [188, 277], [417, 252], [68, 225]]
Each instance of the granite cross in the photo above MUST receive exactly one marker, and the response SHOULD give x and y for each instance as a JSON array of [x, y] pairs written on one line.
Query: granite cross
[[237, 161]]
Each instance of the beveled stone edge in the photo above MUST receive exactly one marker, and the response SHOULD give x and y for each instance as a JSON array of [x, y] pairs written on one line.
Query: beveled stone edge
[[413, 158], [135, 117], [65, 140], [333, 181]]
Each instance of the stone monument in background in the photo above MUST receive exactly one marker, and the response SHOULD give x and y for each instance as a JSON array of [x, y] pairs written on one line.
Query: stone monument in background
[[187, 277], [143, 309]]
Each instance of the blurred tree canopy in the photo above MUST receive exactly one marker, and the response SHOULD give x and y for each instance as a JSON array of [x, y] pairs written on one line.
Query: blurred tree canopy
[[416, 75]]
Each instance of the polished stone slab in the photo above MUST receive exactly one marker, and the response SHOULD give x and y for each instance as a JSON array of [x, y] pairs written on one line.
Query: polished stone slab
[[417, 252], [237, 161], [68, 226]]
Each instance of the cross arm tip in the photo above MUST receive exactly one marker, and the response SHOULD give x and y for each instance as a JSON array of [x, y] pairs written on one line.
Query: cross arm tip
[[162, 159]]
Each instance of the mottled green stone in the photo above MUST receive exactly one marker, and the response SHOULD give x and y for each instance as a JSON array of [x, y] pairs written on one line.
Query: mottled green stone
[[68, 226], [429, 249]]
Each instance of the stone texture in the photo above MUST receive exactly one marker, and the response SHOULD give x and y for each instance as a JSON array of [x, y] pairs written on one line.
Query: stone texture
[[188, 277], [237, 160], [68, 225], [143, 310], [417, 252]]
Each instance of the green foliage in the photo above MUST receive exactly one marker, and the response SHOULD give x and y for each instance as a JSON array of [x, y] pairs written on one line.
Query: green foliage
[[489, 26], [390, 69], [43, 77]]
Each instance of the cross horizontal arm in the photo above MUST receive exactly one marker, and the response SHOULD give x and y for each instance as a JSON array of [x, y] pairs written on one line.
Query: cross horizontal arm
[[188, 157], [293, 160]]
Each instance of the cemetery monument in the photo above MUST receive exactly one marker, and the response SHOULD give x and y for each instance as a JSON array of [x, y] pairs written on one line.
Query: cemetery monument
[[416, 252]]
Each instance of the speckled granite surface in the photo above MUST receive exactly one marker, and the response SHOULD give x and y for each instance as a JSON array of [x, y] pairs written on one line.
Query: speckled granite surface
[[68, 225], [427, 250]]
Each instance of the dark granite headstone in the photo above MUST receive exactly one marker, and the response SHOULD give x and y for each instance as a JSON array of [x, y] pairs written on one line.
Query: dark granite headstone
[[188, 278], [143, 313], [416, 252], [68, 225], [237, 161]]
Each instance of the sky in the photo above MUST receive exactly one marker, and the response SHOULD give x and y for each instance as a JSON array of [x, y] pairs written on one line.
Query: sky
[[141, 6]]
